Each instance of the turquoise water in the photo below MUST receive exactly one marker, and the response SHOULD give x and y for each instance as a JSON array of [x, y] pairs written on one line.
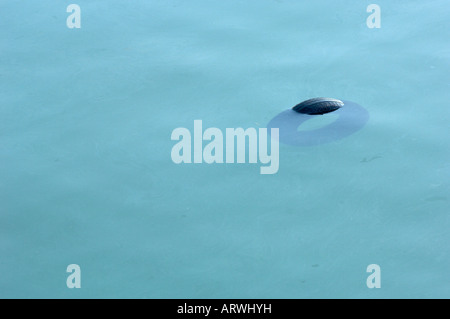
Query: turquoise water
[[86, 175]]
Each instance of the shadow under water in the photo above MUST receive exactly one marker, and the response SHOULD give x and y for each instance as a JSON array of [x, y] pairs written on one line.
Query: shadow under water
[[352, 118]]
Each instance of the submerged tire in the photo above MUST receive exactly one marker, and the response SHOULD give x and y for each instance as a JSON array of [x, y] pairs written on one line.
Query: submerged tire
[[318, 105], [350, 119]]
